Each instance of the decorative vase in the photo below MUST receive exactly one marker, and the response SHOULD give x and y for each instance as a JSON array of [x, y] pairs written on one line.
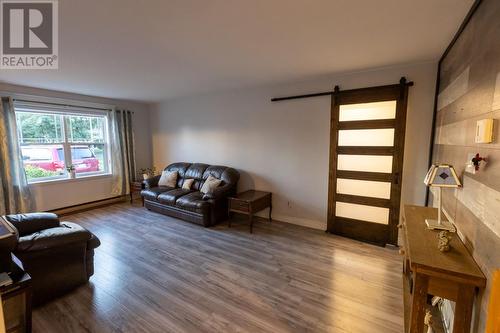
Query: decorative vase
[[72, 174], [145, 176]]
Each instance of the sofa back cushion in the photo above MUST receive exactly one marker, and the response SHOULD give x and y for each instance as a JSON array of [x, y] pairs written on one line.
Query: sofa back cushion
[[196, 171], [225, 174], [181, 168], [33, 222], [200, 172]]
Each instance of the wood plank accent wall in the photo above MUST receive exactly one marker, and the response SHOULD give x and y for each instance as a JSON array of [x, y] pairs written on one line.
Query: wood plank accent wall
[[469, 90]]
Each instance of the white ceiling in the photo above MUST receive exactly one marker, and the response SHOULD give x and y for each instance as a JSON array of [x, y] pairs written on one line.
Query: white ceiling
[[155, 50]]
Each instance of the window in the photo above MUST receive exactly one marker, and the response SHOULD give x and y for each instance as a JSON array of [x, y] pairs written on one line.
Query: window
[[52, 140]]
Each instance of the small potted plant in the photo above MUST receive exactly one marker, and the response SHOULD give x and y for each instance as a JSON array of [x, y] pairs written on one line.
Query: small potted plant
[[148, 172], [72, 171]]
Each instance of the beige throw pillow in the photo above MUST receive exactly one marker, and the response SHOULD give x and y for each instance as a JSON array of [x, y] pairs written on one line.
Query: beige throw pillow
[[168, 178], [187, 184], [210, 185]]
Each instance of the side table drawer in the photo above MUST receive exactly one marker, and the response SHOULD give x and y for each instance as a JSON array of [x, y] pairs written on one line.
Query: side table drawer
[[239, 205]]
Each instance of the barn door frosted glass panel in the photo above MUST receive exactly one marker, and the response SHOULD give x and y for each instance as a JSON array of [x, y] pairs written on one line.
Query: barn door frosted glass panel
[[366, 163], [362, 212], [368, 111], [364, 188], [383, 137]]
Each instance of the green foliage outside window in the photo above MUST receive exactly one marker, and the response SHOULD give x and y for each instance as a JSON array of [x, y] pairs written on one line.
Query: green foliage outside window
[[48, 128], [33, 172]]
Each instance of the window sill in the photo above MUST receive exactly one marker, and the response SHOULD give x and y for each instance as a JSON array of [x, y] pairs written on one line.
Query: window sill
[[70, 180]]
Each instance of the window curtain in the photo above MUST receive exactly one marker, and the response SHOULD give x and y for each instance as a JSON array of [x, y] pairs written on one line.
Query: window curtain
[[122, 151], [15, 195]]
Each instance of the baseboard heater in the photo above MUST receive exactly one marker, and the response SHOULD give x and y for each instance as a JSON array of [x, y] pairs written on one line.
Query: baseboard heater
[[88, 205]]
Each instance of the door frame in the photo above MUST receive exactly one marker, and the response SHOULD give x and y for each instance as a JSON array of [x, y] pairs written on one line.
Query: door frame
[[387, 234]]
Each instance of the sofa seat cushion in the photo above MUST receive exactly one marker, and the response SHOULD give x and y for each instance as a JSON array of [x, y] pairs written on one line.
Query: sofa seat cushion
[[154, 192], [193, 202], [171, 196]]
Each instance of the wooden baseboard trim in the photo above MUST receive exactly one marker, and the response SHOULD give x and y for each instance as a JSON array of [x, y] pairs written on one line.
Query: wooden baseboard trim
[[89, 205]]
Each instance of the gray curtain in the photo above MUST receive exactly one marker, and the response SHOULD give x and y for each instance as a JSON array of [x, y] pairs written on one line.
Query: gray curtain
[[15, 196], [122, 151]]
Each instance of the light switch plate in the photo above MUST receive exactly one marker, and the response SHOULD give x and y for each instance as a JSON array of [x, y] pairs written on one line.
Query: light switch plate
[[484, 131]]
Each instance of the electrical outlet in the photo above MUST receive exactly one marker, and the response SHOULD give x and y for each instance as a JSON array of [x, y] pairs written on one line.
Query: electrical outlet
[[469, 167]]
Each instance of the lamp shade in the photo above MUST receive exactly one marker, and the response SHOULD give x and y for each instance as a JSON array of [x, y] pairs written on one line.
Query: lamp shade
[[442, 175]]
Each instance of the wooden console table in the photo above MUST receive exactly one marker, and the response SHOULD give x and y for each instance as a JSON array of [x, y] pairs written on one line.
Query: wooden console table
[[453, 275], [250, 202]]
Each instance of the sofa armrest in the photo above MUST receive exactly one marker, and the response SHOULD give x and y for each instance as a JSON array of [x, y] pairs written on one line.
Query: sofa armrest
[[220, 192], [151, 182], [32, 222]]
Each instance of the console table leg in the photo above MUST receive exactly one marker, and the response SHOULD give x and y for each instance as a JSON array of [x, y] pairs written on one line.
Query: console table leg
[[420, 286], [463, 309]]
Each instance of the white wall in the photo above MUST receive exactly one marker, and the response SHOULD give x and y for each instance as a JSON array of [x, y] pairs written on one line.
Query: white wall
[[283, 147], [55, 195]]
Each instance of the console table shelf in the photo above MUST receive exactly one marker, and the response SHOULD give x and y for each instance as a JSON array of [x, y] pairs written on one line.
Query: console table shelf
[[453, 275]]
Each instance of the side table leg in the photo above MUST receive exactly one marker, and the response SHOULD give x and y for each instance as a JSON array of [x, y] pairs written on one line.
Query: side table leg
[[463, 309], [250, 217], [270, 206], [270, 209], [420, 286]]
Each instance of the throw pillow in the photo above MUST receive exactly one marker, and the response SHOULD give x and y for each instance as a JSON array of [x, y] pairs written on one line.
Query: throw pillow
[[168, 178], [187, 184], [210, 185]]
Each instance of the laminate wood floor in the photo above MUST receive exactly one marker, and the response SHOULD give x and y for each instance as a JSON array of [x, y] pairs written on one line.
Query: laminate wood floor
[[154, 273]]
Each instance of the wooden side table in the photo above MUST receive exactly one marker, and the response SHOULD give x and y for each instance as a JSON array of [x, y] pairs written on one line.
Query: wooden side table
[[136, 187], [251, 202]]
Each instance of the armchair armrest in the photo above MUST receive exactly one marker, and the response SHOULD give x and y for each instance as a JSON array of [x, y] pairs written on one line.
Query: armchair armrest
[[151, 182], [32, 222], [66, 236]]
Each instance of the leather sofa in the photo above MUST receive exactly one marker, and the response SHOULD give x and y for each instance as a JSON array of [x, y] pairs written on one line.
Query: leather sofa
[[58, 256], [192, 205]]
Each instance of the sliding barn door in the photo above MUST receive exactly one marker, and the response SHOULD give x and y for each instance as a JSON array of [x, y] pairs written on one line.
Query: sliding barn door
[[366, 162]]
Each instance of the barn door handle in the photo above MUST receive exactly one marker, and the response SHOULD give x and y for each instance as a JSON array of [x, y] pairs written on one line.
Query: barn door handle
[[396, 178]]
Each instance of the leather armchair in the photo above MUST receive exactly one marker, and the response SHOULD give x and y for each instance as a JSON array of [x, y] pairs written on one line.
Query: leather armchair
[[59, 256]]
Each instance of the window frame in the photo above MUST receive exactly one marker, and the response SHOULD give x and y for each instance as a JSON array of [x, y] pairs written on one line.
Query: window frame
[[66, 112]]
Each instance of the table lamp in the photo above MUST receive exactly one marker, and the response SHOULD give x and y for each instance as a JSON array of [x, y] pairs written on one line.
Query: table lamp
[[441, 175]]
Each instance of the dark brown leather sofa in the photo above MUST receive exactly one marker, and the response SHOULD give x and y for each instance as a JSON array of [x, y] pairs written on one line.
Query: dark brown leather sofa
[[58, 256], [192, 205]]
